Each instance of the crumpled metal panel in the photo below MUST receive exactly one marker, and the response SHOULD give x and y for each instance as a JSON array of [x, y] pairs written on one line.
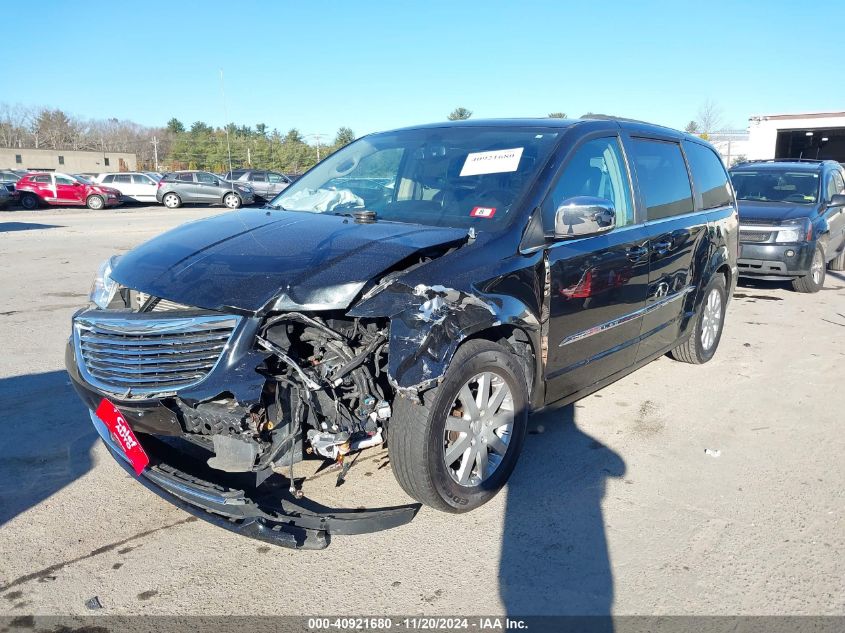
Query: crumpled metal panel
[[246, 259]]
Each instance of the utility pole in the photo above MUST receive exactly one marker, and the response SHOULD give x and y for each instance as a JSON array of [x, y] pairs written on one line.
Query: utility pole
[[155, 151], [248, 156]]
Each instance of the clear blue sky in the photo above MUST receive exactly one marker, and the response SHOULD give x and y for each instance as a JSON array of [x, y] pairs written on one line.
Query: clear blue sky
[[375, 65]]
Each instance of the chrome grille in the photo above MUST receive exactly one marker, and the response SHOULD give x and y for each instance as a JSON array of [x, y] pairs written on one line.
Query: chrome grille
[[754, 236], [142, 356]]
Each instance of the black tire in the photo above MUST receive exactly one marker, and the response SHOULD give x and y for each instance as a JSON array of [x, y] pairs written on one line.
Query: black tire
[[232, 200], [29, 201], [418, 435], [694, 350], [95, 202], [814, 280], [176, 200], [838, 262]]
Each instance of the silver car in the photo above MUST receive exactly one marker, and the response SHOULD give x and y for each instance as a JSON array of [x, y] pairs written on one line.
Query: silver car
[[179, 187], [266, 184]]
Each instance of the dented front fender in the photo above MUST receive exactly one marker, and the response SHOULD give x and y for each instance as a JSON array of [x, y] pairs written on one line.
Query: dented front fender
[[428, 323]]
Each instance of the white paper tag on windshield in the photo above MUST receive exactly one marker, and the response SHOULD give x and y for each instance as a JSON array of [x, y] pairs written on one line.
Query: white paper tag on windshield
[[495, 162]]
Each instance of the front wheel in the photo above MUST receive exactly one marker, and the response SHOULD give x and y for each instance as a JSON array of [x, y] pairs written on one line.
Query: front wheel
[[232, 200], [29, 201], [709, 322], [814, 280], [455, 451], [95, 203]]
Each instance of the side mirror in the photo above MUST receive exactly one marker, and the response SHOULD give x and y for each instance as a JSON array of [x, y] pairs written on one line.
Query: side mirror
[[837, 200], [582, 216]]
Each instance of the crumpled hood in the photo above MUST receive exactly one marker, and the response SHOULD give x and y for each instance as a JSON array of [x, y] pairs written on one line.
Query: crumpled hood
[[774, 211], [248, 258]]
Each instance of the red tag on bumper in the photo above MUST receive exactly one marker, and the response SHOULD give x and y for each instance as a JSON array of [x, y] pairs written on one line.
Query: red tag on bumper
[[123, 435]]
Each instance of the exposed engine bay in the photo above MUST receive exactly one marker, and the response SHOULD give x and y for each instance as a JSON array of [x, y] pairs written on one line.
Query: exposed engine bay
[[326, 394]]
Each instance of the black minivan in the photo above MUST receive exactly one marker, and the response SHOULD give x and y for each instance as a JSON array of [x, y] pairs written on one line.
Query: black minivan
[[425, 288]]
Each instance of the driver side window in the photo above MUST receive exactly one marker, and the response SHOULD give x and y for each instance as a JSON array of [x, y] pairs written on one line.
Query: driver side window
[[596, 169]]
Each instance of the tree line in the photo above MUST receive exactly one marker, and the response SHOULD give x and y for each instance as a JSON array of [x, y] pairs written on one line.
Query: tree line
[[179, 146]]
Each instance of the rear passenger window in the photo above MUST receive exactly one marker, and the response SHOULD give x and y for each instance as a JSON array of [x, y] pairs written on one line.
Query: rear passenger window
[[108, 179], [124, 179], [185, 178], [709, 176], [662, 174], [258, 177]]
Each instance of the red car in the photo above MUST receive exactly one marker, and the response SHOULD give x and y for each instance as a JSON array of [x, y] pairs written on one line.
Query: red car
[[64, 190]]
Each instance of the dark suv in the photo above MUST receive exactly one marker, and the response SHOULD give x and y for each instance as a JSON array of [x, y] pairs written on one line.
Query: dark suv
[[266, 184], [792, 220], [427, 288]]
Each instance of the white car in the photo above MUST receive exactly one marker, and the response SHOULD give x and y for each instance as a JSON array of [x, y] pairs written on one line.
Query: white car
[[132, 185]]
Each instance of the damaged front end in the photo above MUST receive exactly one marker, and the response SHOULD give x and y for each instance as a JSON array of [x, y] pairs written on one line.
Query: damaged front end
[[227, 402], [227, 405]]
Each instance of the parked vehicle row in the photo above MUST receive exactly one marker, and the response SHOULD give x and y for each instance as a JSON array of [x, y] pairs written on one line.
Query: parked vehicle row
[[427, 287], [34, 189]]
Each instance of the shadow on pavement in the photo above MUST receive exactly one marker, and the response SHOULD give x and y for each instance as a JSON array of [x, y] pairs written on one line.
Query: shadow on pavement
[[9, 227], [45, 440], [554, 558]]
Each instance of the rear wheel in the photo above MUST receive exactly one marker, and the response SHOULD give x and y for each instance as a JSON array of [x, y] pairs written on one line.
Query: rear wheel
[[455, 451], [232, 200], [814, 280], [709, 321], [171, 201], [95, 203], [29, 201]]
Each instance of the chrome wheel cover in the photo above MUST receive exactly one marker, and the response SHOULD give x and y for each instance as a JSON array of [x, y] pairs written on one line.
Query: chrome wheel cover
[[817, 268], [711, 319], [478, 429]]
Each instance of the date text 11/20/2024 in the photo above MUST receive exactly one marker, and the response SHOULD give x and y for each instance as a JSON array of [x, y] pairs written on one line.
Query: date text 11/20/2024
[[416, 623]]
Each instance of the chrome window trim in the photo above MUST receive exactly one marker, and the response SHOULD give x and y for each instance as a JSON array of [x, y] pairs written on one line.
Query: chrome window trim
[[625, 318], [141, 325]]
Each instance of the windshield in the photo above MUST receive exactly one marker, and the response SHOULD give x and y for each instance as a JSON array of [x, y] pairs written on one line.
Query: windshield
[[83, 180], [771, 185], [455, 177]]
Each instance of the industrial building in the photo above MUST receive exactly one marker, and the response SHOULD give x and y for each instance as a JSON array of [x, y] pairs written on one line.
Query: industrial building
[[818, 135], [69, 161]]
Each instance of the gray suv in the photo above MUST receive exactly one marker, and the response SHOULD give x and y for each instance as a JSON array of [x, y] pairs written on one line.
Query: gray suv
[[266, 184], [201, 187]]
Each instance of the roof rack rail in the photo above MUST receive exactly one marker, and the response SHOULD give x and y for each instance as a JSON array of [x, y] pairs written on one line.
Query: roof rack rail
[[786, 160]]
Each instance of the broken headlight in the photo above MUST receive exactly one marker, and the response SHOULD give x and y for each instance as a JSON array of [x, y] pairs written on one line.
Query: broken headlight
[[104, 287]]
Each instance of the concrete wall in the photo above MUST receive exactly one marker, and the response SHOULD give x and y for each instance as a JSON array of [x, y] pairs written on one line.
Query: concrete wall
[[763, 129], [74, 161]]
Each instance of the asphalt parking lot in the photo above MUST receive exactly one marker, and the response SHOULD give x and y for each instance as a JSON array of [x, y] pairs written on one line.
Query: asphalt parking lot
[[615, 505]]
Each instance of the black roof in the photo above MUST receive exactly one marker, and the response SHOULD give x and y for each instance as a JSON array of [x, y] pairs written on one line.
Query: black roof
[[793, 164], [631, 125]]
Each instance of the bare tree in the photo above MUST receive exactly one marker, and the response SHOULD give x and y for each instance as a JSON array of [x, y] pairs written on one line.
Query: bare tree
[[459, 114], [709, 117]]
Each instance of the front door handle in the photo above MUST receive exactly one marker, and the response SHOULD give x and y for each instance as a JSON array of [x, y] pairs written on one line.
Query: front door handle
[[636, 253], [662, 247]]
